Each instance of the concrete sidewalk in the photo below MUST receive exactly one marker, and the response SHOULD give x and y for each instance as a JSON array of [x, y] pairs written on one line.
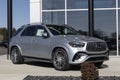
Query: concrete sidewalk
[[9, 71]]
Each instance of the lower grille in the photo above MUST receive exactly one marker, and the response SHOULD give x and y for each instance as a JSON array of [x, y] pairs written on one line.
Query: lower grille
[[92, 59], [96, 46]]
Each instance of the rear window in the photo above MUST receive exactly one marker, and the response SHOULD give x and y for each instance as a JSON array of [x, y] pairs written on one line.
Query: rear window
[[18, 31]]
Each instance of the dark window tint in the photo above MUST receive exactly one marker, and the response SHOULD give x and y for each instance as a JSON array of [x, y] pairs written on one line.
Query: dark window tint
[[77, 4], [54, 32], [61, 30], [29, 31]]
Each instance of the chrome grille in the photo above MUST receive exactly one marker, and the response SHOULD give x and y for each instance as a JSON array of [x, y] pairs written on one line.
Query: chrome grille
[[96, 46]]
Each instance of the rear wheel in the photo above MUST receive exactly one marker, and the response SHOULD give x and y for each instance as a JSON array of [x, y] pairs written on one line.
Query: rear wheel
[[60, 59], [15, 56]]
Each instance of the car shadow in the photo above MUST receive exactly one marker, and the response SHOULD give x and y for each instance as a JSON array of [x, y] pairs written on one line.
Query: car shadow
[[50, 65], [40, 64], [75, 68], [103, 66]]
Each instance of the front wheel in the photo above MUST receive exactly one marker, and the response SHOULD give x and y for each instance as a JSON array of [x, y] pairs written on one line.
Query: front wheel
[[60, 59], [15, 56]]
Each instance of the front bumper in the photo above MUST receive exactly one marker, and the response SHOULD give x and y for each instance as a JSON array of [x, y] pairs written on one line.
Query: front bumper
[[84, 57]]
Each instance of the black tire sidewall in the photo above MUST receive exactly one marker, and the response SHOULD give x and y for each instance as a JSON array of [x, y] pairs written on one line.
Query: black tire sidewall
[[67, 66], [19, 59]]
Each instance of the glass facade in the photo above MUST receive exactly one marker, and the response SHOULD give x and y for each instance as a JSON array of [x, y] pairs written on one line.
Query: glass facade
[[105, 3], [77, 4], [78, 19], [54, 17], [53, 4], [119, 3], [105, 28], [75, 14]]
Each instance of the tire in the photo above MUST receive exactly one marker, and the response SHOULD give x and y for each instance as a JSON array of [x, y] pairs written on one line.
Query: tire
[[15, 56], [98, 64], [60, 60]]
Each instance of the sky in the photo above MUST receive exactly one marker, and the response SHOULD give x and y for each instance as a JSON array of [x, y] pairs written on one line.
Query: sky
[[20, 13]]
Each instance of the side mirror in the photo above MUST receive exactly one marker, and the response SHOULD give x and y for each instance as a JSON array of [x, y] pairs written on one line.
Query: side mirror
[[45, 35]]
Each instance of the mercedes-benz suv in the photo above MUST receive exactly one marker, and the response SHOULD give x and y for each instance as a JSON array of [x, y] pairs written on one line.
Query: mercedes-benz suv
[[60, 44]]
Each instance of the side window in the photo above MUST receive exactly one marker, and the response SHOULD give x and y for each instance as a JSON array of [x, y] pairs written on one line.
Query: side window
[[54, 31], [29, 31], [40, 30]]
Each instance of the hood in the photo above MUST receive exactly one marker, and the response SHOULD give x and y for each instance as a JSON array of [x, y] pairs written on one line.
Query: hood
[[81, 38]]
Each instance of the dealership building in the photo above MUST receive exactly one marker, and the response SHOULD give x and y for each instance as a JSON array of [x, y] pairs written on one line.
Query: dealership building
[[75, 13]]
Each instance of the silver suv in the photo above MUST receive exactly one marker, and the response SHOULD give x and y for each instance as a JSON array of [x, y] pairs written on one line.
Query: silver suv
[[60, 44]]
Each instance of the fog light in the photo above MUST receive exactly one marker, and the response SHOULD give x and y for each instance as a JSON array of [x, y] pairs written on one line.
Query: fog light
[[79, 56]]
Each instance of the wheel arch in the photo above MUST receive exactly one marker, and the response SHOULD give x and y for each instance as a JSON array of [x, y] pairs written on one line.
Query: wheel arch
[[55, 48], [17, 47]]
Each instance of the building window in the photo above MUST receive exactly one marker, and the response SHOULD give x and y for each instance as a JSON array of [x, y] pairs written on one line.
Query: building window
[[53, 4], [77, 4], [104, 3], [79, 20], [53, 17], [105, 28], [119, 3]]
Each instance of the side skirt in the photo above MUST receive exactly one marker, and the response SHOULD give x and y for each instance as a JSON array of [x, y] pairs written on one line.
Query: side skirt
[[37, 59]]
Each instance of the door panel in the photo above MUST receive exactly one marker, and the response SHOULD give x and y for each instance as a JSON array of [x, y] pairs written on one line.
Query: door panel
[[41, 47], [26, 40], [26, 46]]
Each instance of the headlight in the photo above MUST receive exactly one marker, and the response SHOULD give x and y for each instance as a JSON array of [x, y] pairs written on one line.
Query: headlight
[[76, 44]]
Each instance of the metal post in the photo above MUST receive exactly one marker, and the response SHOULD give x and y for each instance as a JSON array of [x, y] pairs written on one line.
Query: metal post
[[91, 17], [9, 22]]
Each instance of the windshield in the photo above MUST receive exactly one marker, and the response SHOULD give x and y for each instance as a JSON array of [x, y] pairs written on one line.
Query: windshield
[[61, 30]]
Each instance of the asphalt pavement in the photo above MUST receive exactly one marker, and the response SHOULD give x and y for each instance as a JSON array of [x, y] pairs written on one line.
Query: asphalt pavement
[[9, 71]]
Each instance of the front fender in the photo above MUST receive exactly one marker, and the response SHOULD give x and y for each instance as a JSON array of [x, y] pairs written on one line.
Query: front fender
[[61, 46]]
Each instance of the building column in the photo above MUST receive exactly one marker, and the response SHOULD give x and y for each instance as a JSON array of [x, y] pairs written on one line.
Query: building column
[[9, 23], [91, 17], [35, 11]]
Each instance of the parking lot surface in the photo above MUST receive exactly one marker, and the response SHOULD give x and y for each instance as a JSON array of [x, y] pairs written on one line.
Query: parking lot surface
[[9, 71], [3, 51]]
